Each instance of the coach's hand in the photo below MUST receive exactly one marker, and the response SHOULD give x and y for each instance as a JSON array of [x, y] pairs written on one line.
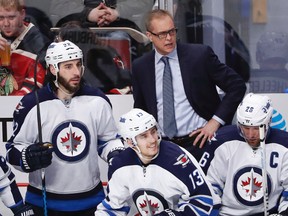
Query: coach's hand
[[205, 133], [36, 156]]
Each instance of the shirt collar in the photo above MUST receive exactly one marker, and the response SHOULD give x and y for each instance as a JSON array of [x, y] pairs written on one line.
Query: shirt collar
[[172, 55]]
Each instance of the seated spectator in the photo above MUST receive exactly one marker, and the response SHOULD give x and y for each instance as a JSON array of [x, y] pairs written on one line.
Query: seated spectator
[[28, 47], [127, 13], [124, 13], [272, 57]]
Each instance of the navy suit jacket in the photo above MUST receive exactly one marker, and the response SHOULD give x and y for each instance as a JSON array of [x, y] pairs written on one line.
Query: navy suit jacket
[[201, 71]]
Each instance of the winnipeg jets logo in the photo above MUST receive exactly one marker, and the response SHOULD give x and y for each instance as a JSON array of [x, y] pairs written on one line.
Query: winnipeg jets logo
[[149, 202], [72, 140], [251, 185], [248, 186], [182, 160], [148, 206]]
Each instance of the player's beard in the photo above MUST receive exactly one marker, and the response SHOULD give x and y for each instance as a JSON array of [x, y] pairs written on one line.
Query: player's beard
[[70, 88]]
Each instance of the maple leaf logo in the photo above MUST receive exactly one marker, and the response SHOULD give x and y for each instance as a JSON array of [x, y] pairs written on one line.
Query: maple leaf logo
[[148, 206], [251, 185], [71, 141]]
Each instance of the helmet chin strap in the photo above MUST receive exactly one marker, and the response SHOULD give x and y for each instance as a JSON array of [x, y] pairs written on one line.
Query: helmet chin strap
[[142, 157]]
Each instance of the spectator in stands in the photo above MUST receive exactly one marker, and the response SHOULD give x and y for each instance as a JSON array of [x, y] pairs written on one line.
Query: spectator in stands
[[124, 13], [117, 13], [28, 48]]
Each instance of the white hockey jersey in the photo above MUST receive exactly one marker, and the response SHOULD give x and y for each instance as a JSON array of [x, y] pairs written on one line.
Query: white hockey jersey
[[9, 192], [79, 131], [236, 172], [173, 180]]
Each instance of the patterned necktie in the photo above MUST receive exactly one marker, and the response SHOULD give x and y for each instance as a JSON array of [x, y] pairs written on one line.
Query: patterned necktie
[[169, 122]]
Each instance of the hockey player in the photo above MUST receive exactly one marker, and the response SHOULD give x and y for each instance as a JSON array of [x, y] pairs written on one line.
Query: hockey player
[[236, 169], [153, 176], [9, 192], [77, 121]]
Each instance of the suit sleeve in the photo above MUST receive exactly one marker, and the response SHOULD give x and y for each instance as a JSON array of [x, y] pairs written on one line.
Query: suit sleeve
[[216, 174], [139, 101], [230, 82]]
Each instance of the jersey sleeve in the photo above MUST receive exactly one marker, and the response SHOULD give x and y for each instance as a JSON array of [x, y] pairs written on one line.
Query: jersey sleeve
[[216, 173], [24, 133], [116, 202], [199, 199], [9, 192], [108, 140]]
